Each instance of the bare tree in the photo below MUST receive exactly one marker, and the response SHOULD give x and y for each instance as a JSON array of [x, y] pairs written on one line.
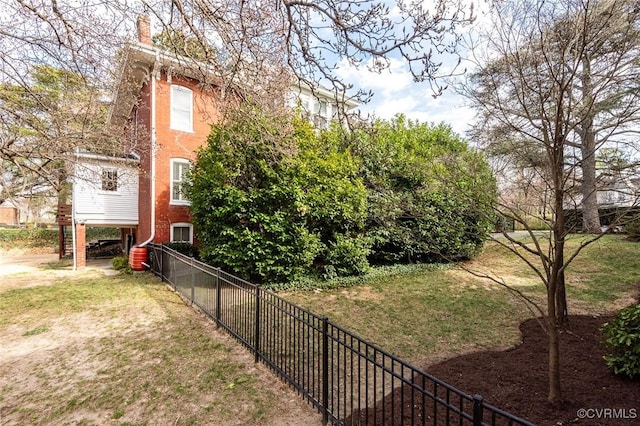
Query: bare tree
[[54, 78], [249, 44], [555, 81], [247, 47]]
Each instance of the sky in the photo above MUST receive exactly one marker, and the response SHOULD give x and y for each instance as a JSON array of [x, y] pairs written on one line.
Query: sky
[[395, 93]]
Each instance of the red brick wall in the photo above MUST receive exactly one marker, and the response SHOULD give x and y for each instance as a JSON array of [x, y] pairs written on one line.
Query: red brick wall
[[170, 144], [9, 215], [142, 120], [81, 238]]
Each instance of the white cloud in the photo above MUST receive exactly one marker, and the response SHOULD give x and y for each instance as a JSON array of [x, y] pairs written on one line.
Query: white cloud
[[395, 92]]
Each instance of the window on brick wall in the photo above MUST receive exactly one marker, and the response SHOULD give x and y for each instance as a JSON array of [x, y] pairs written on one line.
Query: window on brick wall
[[182, 233], [181, 109], [179, 167], [110, 180]]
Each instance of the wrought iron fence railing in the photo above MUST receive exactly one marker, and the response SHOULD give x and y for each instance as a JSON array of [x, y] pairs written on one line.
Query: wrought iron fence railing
[[349, 380]]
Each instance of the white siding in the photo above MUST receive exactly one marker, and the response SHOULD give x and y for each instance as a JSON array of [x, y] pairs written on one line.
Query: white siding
[[94, 206]]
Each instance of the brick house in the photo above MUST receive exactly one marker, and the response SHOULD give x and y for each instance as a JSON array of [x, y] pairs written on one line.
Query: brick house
[[158, 101], [165, 108]]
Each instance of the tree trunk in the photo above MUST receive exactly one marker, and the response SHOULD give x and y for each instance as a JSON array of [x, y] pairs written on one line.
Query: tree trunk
[[553, 318], [589, 190], [556, 297], [562, 311], [555, 391], [590, 215]]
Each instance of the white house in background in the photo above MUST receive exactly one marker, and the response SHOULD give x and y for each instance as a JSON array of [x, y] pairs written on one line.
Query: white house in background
[[622, 190], [319, 105], [619, 190]]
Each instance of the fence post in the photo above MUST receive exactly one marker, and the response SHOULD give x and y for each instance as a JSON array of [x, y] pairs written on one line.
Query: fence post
[[161, 261], [218, 293], [477, 410], [325, 370], [257, 325], [193, 282]]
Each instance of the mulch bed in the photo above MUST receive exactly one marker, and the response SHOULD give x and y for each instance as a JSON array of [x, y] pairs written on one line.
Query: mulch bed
[[515, 381]]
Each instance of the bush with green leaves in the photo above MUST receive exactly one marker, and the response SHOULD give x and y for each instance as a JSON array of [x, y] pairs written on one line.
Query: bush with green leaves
[[273, 199], [430, 198], [121, 263], [622, 338], [267, 196], [347, 255], [187, 249]]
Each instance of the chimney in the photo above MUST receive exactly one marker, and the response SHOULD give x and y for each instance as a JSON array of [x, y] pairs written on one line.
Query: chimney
[[144, 29]]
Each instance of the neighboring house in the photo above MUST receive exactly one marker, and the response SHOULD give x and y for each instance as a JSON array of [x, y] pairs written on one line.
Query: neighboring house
[[168, 112], [8, 214], [617, 192], [318, 105], [35, 208], [621, 190]]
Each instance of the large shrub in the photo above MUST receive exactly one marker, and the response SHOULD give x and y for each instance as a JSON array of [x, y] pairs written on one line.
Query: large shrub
[[430, 198], [268, 198], [347, 256], [622, 337], [273, 199]]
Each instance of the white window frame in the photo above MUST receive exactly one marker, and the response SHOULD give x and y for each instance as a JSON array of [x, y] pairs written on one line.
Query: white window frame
[[323, 109], [181, 225], [173, 180], [117, 180], [174, 122]]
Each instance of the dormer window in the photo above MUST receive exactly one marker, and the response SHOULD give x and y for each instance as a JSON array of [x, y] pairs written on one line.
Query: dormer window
[[181, 109]]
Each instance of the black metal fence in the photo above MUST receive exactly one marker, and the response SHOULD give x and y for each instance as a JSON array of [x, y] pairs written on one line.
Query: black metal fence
[[349, 380]]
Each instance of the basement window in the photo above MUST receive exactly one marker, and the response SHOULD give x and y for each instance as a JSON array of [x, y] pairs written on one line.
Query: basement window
[[182, 233]]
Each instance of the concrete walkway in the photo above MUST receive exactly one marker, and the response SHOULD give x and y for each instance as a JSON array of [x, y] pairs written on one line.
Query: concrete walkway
[[13, 264]]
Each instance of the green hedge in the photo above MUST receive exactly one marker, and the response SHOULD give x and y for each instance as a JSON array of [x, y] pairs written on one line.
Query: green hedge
[[607, 216], [34, 237], [270, 199], [274, 200], [45, 237]]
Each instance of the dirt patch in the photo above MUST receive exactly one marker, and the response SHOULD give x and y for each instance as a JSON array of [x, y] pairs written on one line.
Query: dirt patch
[[515, 380], [125, 349]]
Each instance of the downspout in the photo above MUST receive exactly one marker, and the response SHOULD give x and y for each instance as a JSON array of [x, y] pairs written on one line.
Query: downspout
[[153, 154]]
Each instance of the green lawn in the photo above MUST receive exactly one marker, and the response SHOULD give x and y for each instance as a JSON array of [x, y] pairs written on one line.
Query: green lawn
[[429, 315], [95, 349], [92, 349]]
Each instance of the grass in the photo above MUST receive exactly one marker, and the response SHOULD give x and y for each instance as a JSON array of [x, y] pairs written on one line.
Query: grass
[[123, 348], [135, 354], [428, 315]]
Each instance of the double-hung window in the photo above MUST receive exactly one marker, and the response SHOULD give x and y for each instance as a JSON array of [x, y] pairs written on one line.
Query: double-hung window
[[179, 168], [181, 109]]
